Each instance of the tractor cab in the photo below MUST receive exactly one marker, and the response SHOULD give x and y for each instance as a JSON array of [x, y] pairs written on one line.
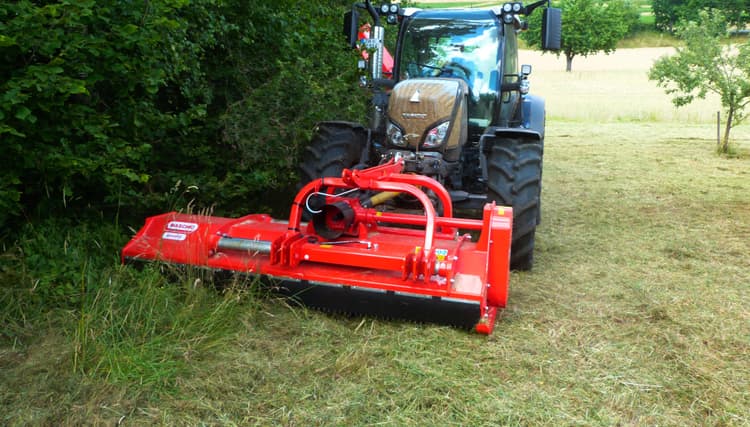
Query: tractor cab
[[467, 45]]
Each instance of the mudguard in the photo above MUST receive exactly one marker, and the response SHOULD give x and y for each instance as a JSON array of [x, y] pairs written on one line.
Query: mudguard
[[533, 114]]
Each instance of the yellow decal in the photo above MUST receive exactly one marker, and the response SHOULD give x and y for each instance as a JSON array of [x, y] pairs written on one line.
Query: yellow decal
[[417, 250], [501, 211], [326, 246]]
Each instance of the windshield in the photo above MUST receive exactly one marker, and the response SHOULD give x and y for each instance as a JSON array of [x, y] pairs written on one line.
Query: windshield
[[462, 48]]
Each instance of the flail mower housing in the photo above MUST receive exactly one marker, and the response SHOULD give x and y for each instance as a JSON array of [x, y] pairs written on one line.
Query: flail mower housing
[[351, 257]]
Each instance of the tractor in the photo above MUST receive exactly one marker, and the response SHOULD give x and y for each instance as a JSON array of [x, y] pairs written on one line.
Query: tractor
[[455, 106]]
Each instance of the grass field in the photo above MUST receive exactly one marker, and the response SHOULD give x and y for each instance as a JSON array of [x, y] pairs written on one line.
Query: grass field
[[611, 87], [637, 311]]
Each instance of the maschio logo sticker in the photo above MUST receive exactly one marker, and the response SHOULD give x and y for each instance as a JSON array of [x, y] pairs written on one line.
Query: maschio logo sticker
[[185, 227], [168, 235]]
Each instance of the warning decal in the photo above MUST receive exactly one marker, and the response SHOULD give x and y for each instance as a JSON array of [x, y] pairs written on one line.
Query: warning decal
[[174, 236]]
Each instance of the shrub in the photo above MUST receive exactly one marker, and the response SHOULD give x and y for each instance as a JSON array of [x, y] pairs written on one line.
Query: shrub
[[109, 103]]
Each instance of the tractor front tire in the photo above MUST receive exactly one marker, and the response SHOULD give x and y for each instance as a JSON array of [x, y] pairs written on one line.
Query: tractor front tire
[[333, 148], [514, 172]]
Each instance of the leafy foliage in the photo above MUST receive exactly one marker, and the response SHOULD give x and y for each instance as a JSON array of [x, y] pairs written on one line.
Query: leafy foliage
[[91, 88], [44, 271], [668, 12], [706, 65], [107, 103], [588, 26]]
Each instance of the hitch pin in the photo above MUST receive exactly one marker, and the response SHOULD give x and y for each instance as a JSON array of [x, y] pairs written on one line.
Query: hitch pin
[[346, 242]]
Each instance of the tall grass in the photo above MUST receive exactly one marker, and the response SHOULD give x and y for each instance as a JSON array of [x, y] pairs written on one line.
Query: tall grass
[[138, 328], [75, 321], [45, 268], [647, 36]]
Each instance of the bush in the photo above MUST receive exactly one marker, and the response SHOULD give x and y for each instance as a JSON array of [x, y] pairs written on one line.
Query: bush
[[50, 266], [109, 103]]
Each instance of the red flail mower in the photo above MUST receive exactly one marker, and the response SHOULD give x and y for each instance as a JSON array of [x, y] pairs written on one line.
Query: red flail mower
[[351, 257]]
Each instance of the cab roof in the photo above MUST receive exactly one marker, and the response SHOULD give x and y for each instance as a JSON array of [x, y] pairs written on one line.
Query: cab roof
[[465, 14]]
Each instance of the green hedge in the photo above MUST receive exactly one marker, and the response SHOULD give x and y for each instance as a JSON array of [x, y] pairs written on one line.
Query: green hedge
[[109, 104]]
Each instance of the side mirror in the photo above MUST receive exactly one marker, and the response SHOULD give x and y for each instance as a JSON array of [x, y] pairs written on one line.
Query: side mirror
[[551, 28], [351, 27]]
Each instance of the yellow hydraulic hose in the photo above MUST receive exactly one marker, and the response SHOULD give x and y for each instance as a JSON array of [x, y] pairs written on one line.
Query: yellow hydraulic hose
[[383, 197]]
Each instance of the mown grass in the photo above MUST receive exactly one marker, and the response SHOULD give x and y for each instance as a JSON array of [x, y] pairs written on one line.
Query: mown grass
[[636, 313], [614, 87]]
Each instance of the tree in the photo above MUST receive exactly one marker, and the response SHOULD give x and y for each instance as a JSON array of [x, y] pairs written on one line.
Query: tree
[[706, 65], [668, 12], [589, 26]]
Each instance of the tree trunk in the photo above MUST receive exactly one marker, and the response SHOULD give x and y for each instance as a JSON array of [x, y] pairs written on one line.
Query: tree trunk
[[569, 61], [724, 149]]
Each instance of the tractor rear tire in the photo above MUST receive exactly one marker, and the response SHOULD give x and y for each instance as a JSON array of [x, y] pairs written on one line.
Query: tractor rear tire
[[514, 172], [333, 148]]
